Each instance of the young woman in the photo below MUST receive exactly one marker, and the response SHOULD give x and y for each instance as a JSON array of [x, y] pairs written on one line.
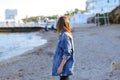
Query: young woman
[[63, 59]]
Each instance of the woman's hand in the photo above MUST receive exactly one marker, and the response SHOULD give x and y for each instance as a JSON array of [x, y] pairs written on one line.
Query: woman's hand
[[60, 69]]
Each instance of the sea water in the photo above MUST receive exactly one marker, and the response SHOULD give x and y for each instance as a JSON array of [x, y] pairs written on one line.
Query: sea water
[[14, 44]]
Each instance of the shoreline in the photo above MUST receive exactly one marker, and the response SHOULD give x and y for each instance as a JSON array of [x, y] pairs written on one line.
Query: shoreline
[[43, 35], [35, 55], [15, 44]]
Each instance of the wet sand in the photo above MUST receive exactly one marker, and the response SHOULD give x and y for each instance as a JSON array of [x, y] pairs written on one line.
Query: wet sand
[[95, 49]]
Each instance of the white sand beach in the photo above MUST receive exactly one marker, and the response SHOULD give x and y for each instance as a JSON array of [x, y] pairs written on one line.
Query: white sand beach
[[95, 49]]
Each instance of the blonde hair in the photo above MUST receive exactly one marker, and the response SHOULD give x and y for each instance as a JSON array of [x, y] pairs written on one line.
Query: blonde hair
[[63, 25]]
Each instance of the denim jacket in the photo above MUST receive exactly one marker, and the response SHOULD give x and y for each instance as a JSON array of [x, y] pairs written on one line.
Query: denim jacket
[[64, 49]]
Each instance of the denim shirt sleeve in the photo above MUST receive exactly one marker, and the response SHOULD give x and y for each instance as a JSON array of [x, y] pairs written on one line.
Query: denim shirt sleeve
[[66, 46]]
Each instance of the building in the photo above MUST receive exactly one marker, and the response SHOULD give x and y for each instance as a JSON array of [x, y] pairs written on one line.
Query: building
[[101, 6], [80, 18], [10, 14]]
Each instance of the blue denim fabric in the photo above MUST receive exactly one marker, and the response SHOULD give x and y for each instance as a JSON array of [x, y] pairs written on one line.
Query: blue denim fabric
[[64, 49]]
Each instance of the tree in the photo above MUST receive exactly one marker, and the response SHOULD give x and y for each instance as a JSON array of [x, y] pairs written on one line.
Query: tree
[[76, 10], [68, 13]]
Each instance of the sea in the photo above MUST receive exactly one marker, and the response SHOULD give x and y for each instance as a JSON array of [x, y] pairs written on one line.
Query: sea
[[14, 44]]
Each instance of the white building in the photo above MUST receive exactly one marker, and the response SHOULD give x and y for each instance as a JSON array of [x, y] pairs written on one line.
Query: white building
[[10, 14], [101, 6], [80, 18]]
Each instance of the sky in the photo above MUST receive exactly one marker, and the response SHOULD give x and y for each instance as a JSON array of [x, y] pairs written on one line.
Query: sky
[[40, 7]]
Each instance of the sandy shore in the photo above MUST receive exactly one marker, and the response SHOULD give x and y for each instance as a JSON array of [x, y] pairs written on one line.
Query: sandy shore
[[95, 49]]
